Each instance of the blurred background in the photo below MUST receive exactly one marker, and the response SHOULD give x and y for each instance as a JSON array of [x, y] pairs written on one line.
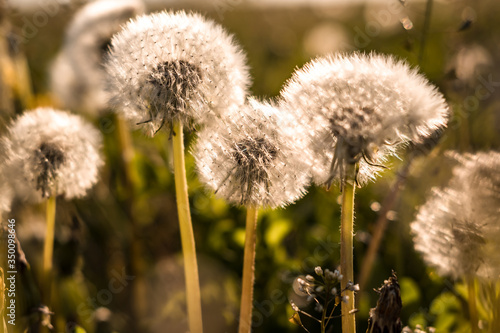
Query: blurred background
[[99, 287]]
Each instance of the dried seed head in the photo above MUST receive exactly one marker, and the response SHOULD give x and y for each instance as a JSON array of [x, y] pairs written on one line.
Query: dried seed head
[[359, 109], [47, 150], [458, 228], [77, 75], [169, 66], [253, 158]]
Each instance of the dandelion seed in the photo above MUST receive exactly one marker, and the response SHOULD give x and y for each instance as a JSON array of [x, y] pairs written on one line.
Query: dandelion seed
[[175, 66], [359, 109], [46, 149], [458, 228], [253, 159], [77, 75]]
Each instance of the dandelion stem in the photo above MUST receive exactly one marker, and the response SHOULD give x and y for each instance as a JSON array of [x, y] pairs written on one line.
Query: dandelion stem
[[131, 185], [473, 316], [248, 271], [187, 237], [381, 225], [425, 32], [346, 247], [48, 248], [3, 327]]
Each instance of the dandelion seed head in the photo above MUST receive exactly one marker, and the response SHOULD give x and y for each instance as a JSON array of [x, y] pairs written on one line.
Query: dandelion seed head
[[47, 149], [78, 78], [253, 158], [359, 109], [175, 66], [458, 228]]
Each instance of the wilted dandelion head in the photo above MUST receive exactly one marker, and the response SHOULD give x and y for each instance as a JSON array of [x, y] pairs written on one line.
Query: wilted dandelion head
[[46, 150], [458, 228], [254, 158], [77, 75], [175, 66], [359, 108]]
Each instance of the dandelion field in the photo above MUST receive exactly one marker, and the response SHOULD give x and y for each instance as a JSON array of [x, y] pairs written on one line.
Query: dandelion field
[[118, 251]]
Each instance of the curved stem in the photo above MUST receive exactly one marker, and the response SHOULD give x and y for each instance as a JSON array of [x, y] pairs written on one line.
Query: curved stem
[[130, 181], [248, 271], [48, 249], [473, 316], [187, 236], [346, 247]]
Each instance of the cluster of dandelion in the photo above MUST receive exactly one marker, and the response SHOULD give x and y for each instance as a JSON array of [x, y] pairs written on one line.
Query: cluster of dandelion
[[336, 121]]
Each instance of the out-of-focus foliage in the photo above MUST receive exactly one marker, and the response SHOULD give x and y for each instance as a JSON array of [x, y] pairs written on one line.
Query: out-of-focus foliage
[[95, 235]]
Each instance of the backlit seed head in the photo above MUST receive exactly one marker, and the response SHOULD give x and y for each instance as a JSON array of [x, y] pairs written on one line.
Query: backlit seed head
[[254, 157], [78, 79], [175, 66], [360, 108], [47, 150]]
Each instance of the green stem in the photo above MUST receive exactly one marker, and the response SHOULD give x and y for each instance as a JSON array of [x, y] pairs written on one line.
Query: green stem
[[346, 247], [130, 182], [425, 32], [187, 236], [473, 316], [324, 321], [48, 249], [248, 271]]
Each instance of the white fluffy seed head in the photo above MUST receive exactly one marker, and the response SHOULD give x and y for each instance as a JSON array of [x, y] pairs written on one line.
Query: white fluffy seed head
[[359, 108], [458, 228], [78, 79], [169, 66], [46, 149], [254, 158]]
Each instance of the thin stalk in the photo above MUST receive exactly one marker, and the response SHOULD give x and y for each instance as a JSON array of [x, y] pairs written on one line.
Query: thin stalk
[[3, 326], [381, 225], [130, 183], [248, 271], [425, 32], [346, 247], [324, 321], [187, 236], [48, 249], [473, 315]]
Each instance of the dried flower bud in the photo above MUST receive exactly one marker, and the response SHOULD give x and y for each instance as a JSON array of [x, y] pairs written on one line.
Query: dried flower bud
[[385, 316], [458, 228]]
